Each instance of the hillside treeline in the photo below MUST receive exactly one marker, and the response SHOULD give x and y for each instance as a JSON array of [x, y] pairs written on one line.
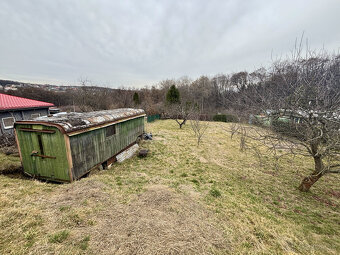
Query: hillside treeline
[[239, 93]]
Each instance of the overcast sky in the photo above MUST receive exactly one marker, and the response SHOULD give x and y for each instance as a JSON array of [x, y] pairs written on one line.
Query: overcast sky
[[137, 43]]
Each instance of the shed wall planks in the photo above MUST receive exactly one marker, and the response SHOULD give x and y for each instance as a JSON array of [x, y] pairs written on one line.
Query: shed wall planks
[[94, 147]]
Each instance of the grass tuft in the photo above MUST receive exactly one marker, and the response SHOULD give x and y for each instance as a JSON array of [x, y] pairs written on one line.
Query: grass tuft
[[84, 243], [59, 237], [215, 192]]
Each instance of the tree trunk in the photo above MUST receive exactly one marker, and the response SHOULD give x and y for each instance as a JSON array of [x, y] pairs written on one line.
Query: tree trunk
[[181, 123], [308, 181]]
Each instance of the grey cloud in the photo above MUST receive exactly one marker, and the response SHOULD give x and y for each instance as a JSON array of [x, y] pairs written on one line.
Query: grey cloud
[[134, 43]]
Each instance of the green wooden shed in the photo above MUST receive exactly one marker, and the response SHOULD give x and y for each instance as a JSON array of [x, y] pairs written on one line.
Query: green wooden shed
[[64, 147]]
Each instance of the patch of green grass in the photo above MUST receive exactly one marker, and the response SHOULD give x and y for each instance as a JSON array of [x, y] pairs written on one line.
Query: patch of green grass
[[184, 175], [84, 243], [64, 208], [91, 222], [33, 222], [119, 181], [195, 181], [59, 237], [30, 238], [215, 192], [75, 218]]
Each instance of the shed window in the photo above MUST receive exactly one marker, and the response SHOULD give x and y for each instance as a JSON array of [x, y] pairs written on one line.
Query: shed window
[[35, 115], [8, 122], [110, 130]]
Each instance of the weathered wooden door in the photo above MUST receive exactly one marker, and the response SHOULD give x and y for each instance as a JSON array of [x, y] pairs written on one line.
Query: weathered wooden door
[[43, 152]]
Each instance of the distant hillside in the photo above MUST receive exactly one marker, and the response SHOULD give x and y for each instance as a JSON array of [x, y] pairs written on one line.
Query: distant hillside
[[7, 85], [8, 82], [71, 98], [14, 85]]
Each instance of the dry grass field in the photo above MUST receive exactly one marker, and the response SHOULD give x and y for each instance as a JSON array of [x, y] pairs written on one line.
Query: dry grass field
[[181, 199]]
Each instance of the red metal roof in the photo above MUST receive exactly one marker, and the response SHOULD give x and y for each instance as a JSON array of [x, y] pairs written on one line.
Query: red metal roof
[[12, 102]]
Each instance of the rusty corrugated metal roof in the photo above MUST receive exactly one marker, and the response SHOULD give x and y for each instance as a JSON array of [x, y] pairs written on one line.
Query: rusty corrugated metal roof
[[77, 121]]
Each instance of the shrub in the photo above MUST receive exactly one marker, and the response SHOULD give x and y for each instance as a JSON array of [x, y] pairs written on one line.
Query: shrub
[[225, 118], [287, 128], [281, 126], [220, 117]]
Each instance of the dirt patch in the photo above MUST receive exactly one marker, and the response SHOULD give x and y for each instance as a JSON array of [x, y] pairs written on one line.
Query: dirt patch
[[334, 193], [76, 193], [203, 160], [158, 138], [324, 200], [189, 189], [141, 175], [159, 221]]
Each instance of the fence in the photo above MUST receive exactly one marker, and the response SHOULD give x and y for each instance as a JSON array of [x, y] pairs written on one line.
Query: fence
[[154, 117]]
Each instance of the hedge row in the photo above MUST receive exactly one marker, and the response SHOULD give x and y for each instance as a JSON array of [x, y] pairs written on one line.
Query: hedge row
[[225, 118]]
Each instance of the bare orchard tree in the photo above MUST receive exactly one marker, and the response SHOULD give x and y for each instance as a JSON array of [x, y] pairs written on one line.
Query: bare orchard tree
[[84, 95], [299, 103], [198, 127], [180, 112]]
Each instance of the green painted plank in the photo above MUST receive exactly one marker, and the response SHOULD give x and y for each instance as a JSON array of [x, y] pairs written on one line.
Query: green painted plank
[[53, 145], [93, 147]]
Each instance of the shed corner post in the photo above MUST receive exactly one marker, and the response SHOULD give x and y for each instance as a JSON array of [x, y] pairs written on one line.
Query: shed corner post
[[18, 144], [69, 156]]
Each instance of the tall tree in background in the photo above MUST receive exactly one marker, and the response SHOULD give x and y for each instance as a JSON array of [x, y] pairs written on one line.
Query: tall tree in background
[[172, 96], [177, 110], [136, 99]]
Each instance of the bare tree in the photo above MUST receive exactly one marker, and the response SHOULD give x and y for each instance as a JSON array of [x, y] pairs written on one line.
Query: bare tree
[[299, 103], [198, 127], [84, 95], [180, 112]]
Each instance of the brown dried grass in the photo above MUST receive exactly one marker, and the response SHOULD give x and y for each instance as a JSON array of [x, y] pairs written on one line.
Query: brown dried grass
[[157, 221], [164, 204]]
